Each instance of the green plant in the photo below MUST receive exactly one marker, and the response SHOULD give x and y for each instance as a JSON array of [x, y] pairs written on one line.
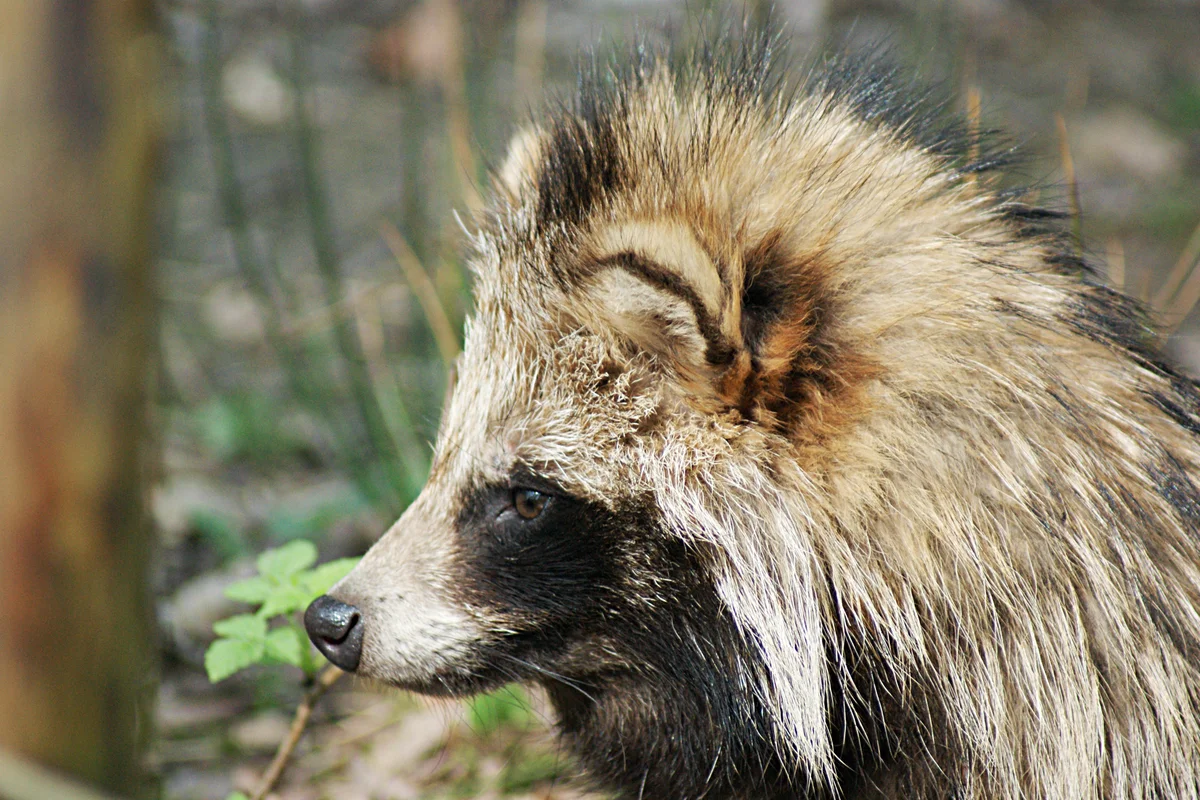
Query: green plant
[[287, 582], [507, 706], [246, 427]]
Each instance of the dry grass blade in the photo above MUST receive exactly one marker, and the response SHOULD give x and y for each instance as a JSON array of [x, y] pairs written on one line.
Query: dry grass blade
[[1115, 256], [454, 84], [1178, 305], [369, 324], [423, 288], [1166, 296], [974, 100], [1064, 147]]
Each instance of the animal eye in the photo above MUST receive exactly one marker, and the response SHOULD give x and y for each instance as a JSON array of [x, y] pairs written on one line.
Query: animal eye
[[529, 503]]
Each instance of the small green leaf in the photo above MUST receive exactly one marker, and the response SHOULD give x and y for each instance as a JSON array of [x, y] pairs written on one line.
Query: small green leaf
[[238, 796], [287, 644], [322, 578], [253, 590], [227, 656], [286, 561], [285, 599], [244, 627]]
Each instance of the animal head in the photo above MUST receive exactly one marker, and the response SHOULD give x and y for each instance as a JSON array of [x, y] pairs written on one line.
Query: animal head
[[757, 408]]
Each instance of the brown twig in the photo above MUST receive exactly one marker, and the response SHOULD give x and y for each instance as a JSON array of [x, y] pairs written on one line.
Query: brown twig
[[326, 679], [426, 292]]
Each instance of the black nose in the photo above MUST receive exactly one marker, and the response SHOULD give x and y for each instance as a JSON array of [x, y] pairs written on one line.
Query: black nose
[[336, 629]]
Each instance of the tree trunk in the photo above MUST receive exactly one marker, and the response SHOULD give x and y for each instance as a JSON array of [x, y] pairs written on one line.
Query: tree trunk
[[76, 123]]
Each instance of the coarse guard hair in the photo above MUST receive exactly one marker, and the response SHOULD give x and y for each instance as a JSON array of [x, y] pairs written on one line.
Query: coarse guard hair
[[796, 457]]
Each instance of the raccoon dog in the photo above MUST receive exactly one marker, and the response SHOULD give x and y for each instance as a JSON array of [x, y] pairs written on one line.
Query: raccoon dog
[[796, 458]]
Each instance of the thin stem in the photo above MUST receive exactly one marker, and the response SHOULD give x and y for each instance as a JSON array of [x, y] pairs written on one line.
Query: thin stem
[[1116, 264], [1166, 296], [1185, 300], [299, 722], [454, 86], [426, 292], [974, 102], [1068, 163], [370, 332]]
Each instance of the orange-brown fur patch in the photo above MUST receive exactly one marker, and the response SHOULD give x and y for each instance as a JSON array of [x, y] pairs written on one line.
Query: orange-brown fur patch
[[795, 375]]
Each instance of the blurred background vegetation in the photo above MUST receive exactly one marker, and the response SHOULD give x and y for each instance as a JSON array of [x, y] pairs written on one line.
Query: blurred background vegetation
[[312, 292]]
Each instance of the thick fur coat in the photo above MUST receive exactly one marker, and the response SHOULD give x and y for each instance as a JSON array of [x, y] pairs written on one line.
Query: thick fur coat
[[848, 477]]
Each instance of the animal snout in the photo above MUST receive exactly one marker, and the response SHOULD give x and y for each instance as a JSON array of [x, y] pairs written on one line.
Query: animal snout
[[336, 628]]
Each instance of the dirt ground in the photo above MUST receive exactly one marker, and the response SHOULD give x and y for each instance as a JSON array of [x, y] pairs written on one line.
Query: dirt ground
[[270, 239]]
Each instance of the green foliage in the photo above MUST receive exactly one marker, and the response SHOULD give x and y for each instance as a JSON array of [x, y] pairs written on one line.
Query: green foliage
[[1171, 216], [238, 796], [289, 522], [500, 721], [507, 707], [286, 583], [1183, 106], [246, 427], [219, 532], [533, 768]]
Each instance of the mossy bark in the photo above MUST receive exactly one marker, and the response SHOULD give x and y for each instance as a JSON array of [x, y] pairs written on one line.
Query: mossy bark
[[76, 666]]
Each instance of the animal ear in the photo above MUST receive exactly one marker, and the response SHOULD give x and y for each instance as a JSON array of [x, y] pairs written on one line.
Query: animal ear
[[645, 310], [657, 288], [800, 368], [749, 334], [781, 306]]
